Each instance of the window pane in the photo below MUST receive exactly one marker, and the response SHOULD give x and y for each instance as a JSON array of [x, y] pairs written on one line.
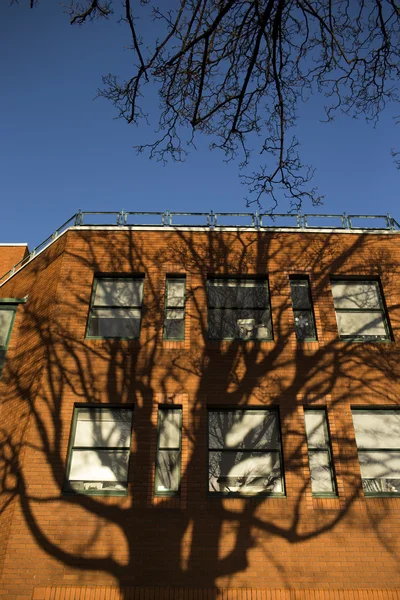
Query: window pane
[[119, 292], [99, 465], [169, 428], [167, 471], [254, 429], [175, 324], [116, 322], [243, 324], [316, 428], [109, 428], [2, 358], [356, 294], [379, 464], [228, 293], [377, 429], [360, 324], [304, 324], [6, 317], [245, 472], [300, 294], [175, 293], [321, 472]]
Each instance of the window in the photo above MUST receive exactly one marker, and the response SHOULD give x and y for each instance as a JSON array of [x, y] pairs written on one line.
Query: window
[[319, 453], [304, 323], [116, 308], [360, 313], [174, 322], [378, 443], [99, 452], [7, 314], [244, 452], [239, 308], [168, 466]]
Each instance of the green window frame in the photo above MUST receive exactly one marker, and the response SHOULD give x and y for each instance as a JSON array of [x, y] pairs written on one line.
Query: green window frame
[[245, 452], [99, 450], [320, 459], [116, 308], [239, 309], [174, 310], [377, 433], [169, 451], [360, 310], [303, 312], [8, 310]]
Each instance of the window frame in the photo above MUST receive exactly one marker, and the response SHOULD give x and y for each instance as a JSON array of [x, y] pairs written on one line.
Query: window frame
[[265, 280], [113, 307], [378, 450], [382, 309], [327, 448], [172, 278], [67, 488], [309, 310], [10, 304], [218, 494], [168, 493]]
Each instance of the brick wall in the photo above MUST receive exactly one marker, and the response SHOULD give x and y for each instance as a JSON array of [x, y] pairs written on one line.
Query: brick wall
[[10, 255], [60, 544]]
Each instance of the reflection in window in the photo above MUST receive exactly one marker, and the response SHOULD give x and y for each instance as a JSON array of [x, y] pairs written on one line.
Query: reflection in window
[[304, 323], [168, 464], [319, 453], [100, 447], [7, 313], [244, 452], [174, 322], [359, 309], [378, 443], [239, 308], [116, 308]]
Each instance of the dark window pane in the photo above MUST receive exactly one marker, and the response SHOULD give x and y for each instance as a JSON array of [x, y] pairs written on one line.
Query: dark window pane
[[237, 294], [115, 323], [175, 324], [300, 294], [167, 471], [2, 358], [304, 325]]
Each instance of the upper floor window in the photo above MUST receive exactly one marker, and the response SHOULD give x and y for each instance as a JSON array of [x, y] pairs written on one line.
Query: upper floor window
[[174, 321], [239, 309], [99, 450], [304, 323], [378, 443], [360, 312], [244, 452], [7, 314], [116, 308]]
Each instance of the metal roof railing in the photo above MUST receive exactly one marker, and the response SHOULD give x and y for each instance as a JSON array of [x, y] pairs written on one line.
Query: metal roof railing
[[213, 221]]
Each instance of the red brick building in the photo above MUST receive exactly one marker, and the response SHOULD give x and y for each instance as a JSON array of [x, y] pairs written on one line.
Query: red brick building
[[201, 411]]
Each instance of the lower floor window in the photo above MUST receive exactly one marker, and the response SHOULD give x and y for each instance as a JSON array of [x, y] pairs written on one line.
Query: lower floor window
[[244, 452], [99, 452], [378, 443]]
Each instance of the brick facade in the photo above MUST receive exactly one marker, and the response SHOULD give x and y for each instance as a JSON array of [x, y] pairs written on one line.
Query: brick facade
[[57, 545]]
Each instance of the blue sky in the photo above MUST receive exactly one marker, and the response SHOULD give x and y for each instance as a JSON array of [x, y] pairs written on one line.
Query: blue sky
[[60, 150]]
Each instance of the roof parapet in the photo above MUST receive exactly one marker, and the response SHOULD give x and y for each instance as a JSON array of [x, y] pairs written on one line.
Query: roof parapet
[[213, 221]]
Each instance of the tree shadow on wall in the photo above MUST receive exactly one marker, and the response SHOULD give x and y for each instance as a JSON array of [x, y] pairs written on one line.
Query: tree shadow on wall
[[202, 539]]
